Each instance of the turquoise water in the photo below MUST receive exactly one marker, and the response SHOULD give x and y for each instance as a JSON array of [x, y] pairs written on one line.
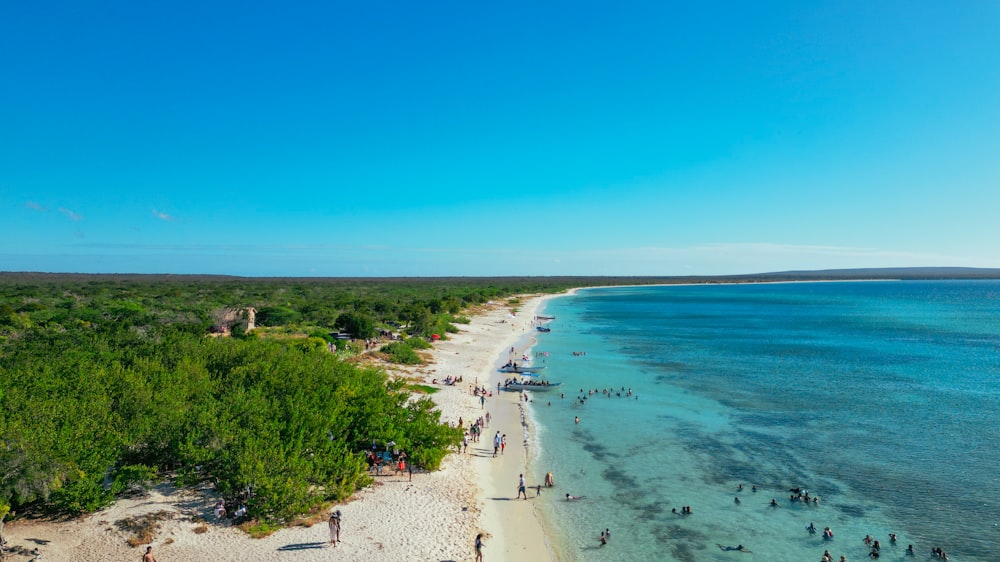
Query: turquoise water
[[880, 397]]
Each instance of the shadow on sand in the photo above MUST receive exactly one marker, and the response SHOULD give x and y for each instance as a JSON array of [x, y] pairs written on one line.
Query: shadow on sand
[[304, 546]]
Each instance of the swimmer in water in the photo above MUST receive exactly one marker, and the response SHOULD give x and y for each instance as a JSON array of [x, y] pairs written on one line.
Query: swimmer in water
[[909, 551], [811, 528], [570, 498], [738, 548]]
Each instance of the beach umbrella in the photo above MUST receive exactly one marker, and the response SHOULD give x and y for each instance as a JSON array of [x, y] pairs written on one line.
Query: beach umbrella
[[435, 337]]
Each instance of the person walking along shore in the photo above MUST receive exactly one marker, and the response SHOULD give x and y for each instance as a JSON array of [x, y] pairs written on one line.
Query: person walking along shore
[[521, 487]]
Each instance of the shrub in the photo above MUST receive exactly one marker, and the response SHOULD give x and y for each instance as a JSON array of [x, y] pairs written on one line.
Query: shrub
[[132, 475], [142, 528], [418, 343], [422, 388], [361, 326], [402, 353], [277, 316]]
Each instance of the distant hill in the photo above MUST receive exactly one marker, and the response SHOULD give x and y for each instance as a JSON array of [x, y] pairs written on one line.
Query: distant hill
[[882, 273], [907, 273]]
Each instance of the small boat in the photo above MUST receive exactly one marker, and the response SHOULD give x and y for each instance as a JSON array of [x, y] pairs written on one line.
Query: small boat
[[520, 369], [517, 386], [543, 329], [545, 317]]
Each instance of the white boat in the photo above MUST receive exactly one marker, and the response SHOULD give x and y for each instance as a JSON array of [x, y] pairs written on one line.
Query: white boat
[[517, 386], [520, 369]]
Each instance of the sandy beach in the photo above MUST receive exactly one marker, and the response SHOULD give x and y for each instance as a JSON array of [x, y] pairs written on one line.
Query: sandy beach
[[436, 516]]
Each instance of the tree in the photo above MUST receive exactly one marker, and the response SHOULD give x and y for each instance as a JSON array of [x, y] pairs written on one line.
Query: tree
[[277, 316], [359, 325]]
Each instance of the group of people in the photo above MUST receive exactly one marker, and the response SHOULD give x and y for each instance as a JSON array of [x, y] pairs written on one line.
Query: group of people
[[397, 459], [606, 392], [481, 393], [221, 512], [474, 431], [523, 382], [499, 443], [802, 495], [605, 536]]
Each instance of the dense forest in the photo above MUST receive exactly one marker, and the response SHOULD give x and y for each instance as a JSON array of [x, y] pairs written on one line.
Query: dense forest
[[110, 382]]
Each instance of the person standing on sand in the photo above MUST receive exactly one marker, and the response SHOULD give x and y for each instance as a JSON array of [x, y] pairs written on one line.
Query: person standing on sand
[[479, 547], [503, 442], [521, 487], [148, 557], [334, 527]]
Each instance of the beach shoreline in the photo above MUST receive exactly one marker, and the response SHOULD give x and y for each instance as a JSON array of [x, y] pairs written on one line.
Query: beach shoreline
[[436, 516]]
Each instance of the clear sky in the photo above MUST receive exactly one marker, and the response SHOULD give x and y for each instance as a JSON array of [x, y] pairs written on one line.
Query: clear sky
[[383, 138]]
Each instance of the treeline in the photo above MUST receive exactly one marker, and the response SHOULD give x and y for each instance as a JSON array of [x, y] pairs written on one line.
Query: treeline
[[110, 382]]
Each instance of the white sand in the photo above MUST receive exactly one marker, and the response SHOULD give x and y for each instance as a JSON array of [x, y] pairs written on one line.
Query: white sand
[[434, 517]]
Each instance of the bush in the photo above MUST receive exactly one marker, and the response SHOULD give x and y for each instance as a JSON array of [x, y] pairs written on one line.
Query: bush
[[418, 343], [422, 388], [277, 316], [402, 353], [132, 475], [361, 326]]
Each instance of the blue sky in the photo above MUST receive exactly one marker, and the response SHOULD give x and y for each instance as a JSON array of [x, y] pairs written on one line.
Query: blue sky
[[527, 138]]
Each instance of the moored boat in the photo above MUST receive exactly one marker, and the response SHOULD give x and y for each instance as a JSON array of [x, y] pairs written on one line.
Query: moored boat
[[520, 369], [517, 386]]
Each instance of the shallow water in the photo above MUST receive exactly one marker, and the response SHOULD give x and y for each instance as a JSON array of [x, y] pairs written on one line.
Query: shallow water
[[879, 397]]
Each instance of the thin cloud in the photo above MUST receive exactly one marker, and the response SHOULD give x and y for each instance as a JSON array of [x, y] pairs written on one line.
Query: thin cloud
[[163, 216], [35, 206], [72, 216]]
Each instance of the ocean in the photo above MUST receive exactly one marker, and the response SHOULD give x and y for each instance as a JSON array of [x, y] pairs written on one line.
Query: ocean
[[880, 398]]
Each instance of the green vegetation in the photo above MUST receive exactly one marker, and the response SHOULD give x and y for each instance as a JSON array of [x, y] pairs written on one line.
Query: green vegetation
[[401, 352], [109, 382], [358, 324], [422, 388], [418, 343]]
